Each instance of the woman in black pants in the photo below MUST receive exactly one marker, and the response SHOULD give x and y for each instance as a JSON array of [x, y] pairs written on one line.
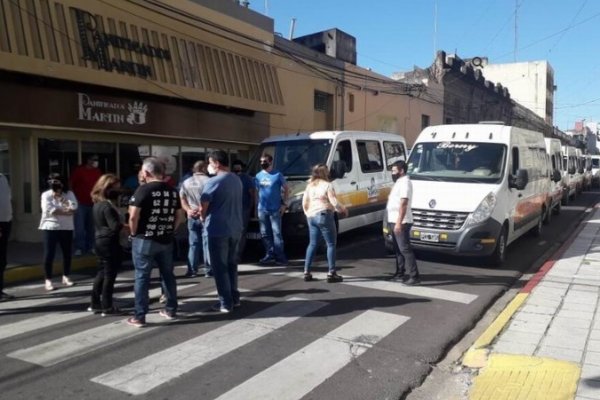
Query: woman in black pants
[[108, 225], [58, 206]]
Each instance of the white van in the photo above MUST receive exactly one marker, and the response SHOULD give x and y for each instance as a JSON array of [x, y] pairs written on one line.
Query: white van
[[556, 169], [586, 164], [477, 188], [360, 170], [596, 170], [571, 178]]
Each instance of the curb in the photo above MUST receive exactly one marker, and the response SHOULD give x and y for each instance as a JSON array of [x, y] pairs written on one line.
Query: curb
[[36, 271], [477, 355]]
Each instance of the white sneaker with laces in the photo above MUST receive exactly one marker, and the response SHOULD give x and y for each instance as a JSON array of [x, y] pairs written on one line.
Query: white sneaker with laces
[[48, 285]]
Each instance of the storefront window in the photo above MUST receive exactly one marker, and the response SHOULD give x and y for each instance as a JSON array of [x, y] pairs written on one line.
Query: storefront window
[[58, 156], [130, 162], [189, 155], [170, 156], [106, 152]]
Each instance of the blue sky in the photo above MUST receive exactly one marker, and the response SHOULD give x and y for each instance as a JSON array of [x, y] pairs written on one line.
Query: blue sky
[[395, 35]]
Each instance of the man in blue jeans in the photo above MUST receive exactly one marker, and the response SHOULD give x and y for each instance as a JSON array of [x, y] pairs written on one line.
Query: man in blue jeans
[[272, 203], [221, 211], [190, 192], [154, 214]]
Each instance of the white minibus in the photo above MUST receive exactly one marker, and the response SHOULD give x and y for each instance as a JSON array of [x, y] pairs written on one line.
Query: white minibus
[[477, 188]]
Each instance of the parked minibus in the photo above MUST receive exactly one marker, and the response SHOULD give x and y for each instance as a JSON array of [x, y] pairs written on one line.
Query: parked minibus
[[555, 167], [360, 170], [571, 178], [477, 188]]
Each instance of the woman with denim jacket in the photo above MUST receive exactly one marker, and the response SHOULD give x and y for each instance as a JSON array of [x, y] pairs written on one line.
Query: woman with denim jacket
[[320, 204]]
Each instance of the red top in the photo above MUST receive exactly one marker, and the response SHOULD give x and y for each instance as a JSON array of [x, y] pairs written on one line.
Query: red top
[[83, 180]]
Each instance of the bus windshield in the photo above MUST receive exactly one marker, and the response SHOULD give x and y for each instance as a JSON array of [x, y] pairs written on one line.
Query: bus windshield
[[293, 158], [457, 162]]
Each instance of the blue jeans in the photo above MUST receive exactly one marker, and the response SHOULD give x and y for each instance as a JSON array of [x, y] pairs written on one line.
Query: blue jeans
[[223, 252], [323, 223], [197, 241], [146, 253], [84, 228], [270, 230]]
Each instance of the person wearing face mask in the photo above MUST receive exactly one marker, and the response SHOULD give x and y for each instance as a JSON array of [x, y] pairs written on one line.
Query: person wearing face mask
[[248, 197], [58, 206], [272, 202], [399, 222], [108, 224], [83, 179]]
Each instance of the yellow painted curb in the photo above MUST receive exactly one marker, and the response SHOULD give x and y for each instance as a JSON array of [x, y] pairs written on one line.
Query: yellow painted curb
[[476, 356], [523, 377], [31, 272]]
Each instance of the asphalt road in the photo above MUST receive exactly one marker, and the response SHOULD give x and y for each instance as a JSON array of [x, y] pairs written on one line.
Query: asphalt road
[[366, 338]]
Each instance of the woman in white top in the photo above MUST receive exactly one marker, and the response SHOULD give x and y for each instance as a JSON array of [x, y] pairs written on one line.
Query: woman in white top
[[58, 207], [320, 204]]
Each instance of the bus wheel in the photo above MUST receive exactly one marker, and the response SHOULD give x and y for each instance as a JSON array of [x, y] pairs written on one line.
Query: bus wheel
[[499, 255]]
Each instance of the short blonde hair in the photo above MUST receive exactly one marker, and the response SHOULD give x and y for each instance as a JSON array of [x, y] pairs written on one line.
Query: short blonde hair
[[102, 185]]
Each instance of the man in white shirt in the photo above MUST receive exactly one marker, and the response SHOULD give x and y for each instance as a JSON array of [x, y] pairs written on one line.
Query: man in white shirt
[[399, 222], [5, 222]]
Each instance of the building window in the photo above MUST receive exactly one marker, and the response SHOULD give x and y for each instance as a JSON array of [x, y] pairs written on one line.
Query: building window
[[351, 102], [321, 101], [425, 121]]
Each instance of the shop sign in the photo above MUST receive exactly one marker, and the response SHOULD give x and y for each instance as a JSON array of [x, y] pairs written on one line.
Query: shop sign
[[95, 44], [111, 112]]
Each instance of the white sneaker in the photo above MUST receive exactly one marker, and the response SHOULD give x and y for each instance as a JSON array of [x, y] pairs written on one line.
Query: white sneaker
[[67, 282], [48, 285]]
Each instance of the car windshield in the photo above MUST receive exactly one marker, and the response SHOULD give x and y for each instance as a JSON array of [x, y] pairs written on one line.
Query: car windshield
[[457, 162], [293, 158]]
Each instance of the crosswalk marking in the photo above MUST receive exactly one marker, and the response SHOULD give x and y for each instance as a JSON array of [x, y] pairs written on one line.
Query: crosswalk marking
[[18, 303], [295, 376], [419, 291], [145, 374], [397, 287], [45, 321]]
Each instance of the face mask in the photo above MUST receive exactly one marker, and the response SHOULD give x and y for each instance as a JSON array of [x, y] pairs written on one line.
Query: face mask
[[56, 186], [395, 177], [211, 169], [95, 164], [265, 165]]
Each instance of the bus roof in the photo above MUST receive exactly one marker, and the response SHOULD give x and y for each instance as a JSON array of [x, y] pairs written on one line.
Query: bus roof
[[331, 135]]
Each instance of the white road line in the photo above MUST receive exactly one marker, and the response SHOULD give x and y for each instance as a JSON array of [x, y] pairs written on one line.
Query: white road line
[[47, 320], [419, 291], [147, 373], [397, 287], [18, 303], [295, 376]]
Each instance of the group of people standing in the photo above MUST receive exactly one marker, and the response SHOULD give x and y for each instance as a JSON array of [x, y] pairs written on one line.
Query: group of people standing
[[218, 204]]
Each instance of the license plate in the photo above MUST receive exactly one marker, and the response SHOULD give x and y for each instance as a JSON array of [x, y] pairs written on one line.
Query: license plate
[[253, 235], [430, 237]]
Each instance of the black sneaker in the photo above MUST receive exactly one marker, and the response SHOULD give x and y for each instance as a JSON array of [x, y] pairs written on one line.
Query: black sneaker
[[307, 277], [112, 311], [413, 282], [399, 278], [94, 309], [191, 274], [266, 261], [333, 278]]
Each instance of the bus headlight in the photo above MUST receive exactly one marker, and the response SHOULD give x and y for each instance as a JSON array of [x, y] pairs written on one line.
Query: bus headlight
[[483, 210]]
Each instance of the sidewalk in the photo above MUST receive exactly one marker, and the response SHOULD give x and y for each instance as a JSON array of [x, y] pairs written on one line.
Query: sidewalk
[[26, 262], [546, 343]]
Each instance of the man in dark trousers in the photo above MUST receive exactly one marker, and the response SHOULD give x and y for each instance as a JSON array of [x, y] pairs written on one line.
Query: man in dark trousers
[[221, 211], [154, 215], [399, 222]]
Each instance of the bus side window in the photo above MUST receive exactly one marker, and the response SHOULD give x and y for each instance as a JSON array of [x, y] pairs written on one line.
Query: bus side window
[[343, 155], [515, 160]]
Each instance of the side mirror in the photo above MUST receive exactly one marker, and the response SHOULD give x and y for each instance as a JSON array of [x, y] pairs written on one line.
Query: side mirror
[[338, 170], [556, 176], [520, 180]]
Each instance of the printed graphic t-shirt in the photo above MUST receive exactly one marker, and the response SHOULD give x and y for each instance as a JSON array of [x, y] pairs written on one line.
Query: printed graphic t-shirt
[[269, 186], [159, 203]]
